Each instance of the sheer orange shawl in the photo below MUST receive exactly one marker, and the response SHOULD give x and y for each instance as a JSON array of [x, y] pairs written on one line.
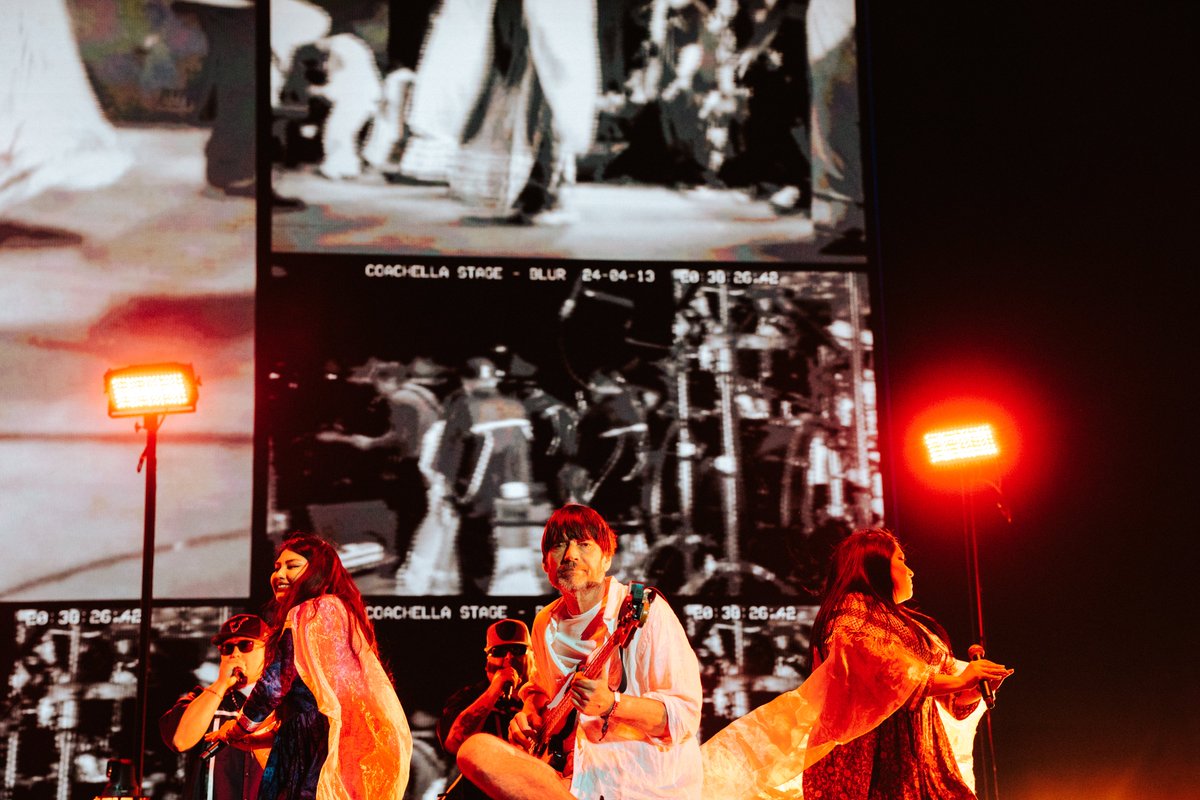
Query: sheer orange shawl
[[869, 674], [370, 744]]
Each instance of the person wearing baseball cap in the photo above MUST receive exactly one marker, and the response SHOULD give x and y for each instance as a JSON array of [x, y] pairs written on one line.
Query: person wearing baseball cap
[[232, 773], [488, 705]]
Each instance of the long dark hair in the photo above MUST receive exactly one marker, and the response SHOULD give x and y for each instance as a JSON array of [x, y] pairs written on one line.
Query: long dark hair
[[324, 575], [862, 563]]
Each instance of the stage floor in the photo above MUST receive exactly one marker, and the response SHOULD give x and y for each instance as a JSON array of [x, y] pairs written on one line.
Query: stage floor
[[628, 222], [154, 267]]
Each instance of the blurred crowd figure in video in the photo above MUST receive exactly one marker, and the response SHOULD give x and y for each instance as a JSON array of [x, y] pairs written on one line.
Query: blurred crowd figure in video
[[411, 410], [505, 98], [483, 456], [555, 426], [612, 450], [228, 91], [53, 133], [823, 30], [760, 94]]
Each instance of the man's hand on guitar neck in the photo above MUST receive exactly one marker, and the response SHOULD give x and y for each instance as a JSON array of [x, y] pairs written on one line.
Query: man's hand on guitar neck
[[591, 697]]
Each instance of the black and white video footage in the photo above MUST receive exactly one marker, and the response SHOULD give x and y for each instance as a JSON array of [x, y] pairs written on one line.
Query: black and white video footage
[[72, 688], [126, 237], [713, 130], [431, 426]]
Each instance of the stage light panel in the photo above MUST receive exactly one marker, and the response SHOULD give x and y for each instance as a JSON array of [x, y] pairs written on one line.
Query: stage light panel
[[955, 445], [136, 391]]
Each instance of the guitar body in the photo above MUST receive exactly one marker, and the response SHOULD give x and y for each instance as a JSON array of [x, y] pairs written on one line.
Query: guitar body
[[554, 742], [560, 747]]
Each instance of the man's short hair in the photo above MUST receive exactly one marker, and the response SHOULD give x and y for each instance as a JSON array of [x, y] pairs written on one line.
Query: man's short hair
[[574, 522]]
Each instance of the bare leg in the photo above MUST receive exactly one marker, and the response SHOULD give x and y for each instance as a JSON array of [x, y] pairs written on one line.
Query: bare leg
[[505, 773]]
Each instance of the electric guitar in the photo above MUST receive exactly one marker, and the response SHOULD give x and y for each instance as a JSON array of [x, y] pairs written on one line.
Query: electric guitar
[[551, 739]]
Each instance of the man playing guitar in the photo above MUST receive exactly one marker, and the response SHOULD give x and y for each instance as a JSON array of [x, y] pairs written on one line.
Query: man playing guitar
[[635, 731]]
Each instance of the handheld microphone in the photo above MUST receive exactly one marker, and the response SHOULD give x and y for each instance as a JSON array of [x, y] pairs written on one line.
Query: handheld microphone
[[212, 749], [975, 652], [217, 746]]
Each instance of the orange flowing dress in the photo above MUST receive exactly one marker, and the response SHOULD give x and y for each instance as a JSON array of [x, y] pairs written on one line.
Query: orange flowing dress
[[860, 728]]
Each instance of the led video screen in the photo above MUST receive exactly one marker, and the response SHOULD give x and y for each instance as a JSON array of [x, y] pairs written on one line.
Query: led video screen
[[614, 129], [72, 671], [637, 279], [126, 237], [722, 419]]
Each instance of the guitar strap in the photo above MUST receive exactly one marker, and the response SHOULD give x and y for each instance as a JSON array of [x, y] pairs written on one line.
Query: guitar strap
[[637, 596]]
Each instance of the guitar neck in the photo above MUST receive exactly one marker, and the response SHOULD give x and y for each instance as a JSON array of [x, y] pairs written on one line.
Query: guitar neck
[[592, 668]]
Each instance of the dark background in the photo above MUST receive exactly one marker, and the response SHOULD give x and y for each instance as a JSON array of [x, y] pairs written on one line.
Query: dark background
[[1035, 176]]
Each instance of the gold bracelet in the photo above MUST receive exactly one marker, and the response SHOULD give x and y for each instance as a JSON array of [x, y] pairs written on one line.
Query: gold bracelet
[[213, 691]]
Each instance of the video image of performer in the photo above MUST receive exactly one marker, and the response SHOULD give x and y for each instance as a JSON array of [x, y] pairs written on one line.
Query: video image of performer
[[428, 418], [703, 131]]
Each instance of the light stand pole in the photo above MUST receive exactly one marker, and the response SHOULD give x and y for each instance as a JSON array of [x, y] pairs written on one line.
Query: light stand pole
[[151, 424], [151, 392], [963, 449]]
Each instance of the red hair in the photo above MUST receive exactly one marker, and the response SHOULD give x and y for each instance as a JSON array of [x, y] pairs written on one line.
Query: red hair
[[574, 522]]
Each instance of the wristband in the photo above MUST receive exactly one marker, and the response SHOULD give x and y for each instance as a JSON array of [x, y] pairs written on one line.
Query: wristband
[[616, 702]]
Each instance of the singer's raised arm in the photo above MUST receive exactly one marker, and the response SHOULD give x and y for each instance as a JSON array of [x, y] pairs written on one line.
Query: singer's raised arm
[[472, 718], [969, 678]]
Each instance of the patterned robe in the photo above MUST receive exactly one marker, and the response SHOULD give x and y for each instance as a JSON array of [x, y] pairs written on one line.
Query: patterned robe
[[860, 728]]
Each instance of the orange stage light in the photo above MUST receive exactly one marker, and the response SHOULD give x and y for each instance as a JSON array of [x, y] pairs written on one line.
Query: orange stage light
[[962, 437], [957, 445], [151, 389]]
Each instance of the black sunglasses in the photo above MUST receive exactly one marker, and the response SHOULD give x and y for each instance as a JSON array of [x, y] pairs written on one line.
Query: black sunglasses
[[502, 650], [245, 645]]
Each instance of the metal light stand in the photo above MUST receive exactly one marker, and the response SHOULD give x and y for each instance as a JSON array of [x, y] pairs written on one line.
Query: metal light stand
[[150, 391], [149, 459]]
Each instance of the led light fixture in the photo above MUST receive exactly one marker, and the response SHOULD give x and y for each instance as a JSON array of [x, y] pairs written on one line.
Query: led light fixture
[[151, 389], [957, 445]]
